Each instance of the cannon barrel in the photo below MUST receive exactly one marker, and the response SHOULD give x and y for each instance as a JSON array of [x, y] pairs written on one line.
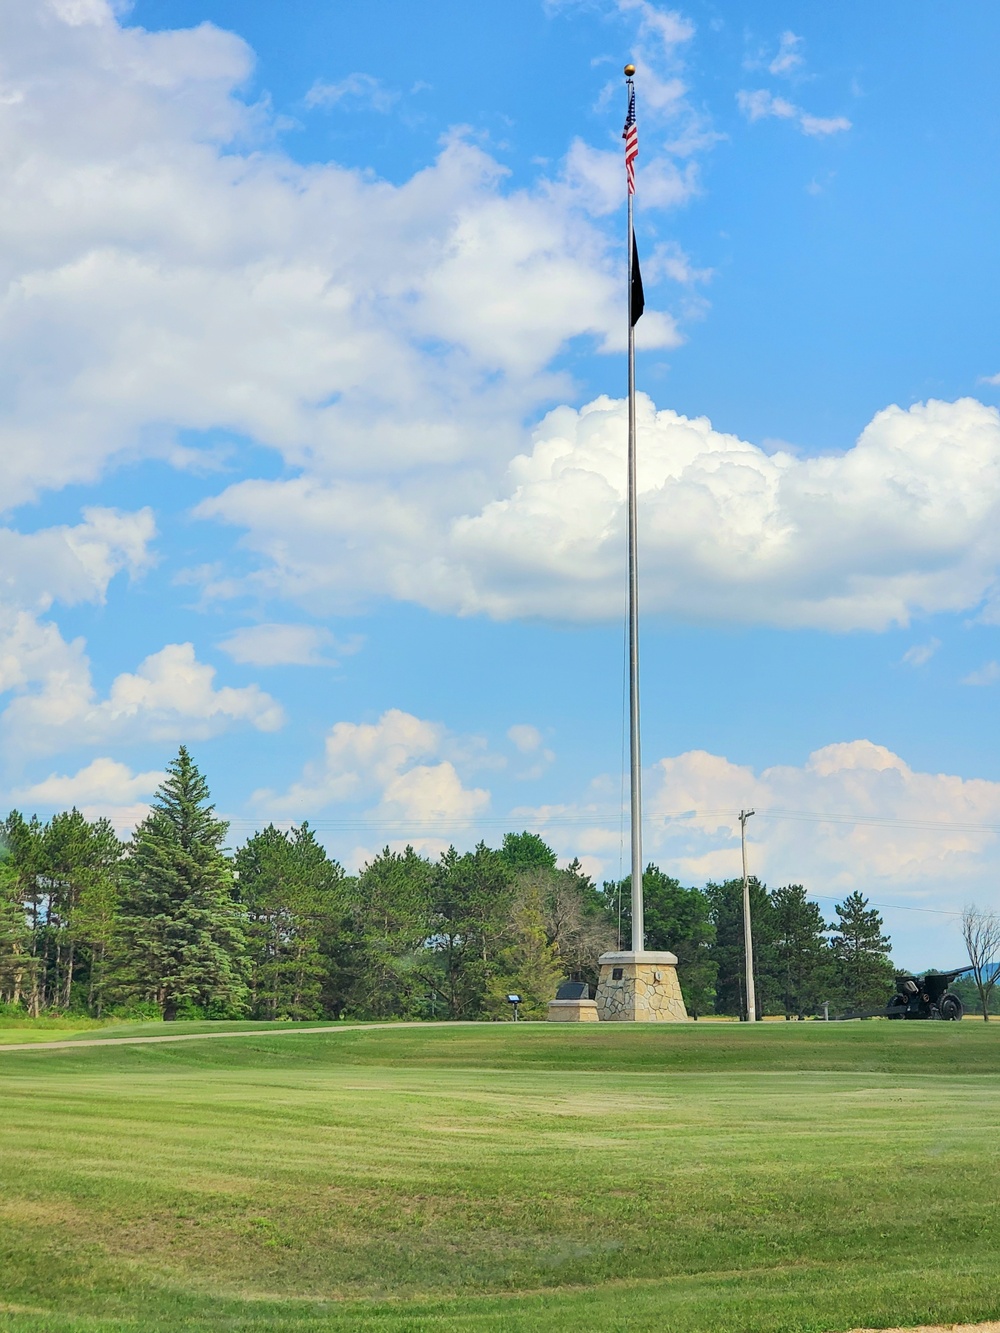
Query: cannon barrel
[[940, 976]]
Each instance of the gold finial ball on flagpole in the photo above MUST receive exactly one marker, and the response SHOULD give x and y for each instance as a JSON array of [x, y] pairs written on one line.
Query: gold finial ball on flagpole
[[629, 71]]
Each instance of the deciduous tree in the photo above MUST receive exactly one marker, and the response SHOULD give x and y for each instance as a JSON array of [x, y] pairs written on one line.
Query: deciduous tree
[[981, 932]]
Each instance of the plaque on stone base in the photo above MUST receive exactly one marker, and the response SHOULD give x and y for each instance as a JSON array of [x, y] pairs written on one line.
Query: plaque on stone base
[[639, 988]]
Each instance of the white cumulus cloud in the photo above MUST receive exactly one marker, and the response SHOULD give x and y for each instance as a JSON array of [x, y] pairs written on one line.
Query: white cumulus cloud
[[104, 787], [167, 268], [905, 522], [524, 737], [73, 564], [171, 696], [402, 769], [356, 91], [854, 815]]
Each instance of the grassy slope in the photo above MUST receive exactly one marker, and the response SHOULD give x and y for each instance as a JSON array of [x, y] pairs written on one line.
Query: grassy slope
[[799, 1177]]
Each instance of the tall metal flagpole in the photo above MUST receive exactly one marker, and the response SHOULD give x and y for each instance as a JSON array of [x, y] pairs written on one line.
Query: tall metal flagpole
[[634, 985], [635, 755], [747, 928]]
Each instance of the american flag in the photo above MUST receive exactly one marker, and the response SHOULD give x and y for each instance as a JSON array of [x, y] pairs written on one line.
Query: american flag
[[631, 136]]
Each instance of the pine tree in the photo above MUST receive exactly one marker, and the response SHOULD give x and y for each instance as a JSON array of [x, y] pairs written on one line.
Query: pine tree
[[473, 898], [728, 952], [181, 939], [390, 916], [526, 851], [800, 950], [22, 841], [16, 962], [291, 892], [80, 866], [861, 954]]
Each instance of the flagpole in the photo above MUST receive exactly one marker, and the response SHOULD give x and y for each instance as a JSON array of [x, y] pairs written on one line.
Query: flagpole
[[635, 986], [635, 756]]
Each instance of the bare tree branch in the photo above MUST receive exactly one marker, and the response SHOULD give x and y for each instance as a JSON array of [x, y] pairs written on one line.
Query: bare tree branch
[[981, 932]]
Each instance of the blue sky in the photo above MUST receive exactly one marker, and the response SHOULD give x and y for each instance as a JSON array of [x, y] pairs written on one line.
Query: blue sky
[[311, 432]]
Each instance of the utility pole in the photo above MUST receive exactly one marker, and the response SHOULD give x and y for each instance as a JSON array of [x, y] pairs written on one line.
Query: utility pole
[[747, 932]]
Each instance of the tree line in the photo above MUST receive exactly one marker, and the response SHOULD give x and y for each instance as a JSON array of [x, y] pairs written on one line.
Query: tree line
[[172, 925]]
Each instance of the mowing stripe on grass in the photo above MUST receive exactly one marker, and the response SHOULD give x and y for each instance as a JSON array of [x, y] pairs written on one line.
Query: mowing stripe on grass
[[72, 1045]]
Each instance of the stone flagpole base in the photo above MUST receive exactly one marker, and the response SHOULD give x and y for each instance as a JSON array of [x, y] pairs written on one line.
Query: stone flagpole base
[[639, 988], [572, 1011]]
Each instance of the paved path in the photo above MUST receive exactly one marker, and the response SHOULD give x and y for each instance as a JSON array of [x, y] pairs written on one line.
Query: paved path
[[73, 1044], [991, 1327]]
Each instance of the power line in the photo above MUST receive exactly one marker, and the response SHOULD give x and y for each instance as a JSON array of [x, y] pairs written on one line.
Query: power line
[[363, 822], [891, 907]]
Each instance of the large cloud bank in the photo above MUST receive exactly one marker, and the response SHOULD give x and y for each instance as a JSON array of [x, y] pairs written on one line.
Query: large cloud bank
[[167, 270], [167, 267], [905, 522]]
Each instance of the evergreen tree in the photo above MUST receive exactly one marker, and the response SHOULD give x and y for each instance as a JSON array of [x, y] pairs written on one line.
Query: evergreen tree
[[800, 950], [388, 972], [15, 937], [291, 892], [526, 851], [80, 864], [726, 902], [863, 972], [94, 924], [22, 840], [473, 896], [180, 936]]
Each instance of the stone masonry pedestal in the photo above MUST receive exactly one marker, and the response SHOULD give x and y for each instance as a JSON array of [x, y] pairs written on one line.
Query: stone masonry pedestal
[[639, 988], [572, 1011]]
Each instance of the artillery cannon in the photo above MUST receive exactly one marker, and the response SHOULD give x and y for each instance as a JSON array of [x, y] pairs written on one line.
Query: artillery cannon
[[926, 997]]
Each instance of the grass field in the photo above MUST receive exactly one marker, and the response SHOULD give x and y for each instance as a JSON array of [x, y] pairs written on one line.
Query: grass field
[[803, 1177], [20, 1032]]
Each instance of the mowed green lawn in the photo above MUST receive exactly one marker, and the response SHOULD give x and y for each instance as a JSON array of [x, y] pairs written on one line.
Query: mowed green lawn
[[21, 1032], [539, 1177]]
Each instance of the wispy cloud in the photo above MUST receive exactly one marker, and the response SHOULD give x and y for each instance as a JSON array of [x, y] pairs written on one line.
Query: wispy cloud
[[921, 653], [760, 104], [286, 645], [986, 675], [820, 126], [360, 90], [666, 25], [789, 57]]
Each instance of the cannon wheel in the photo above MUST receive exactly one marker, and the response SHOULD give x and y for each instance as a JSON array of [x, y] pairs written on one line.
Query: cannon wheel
[[951, 1007], [896, 1008]]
